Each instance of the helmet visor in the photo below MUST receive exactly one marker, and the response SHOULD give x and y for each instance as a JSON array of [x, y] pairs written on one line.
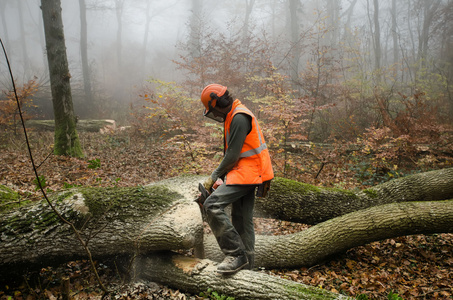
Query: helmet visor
[[215, 115]]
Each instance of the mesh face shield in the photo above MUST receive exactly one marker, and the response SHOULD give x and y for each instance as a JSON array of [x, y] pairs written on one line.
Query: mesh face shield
[[214, 114]]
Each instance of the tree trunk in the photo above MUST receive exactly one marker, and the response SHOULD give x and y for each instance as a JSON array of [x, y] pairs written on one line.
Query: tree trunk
[[348, 15], [88, 101], [429, 10], [82, 125], [333, 13], [196, 275], [119, 9], [66, 137], [113, 221], [148, 18], [23, 36], [163, 216], [245, 31], [377, 36], [195, 29], [394, 36], [120, 76], [303, 203], [294, 31], [325, 240], [5, 36], [125, 220]]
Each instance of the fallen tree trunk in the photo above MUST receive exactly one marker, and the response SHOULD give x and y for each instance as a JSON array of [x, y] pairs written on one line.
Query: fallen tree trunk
[[195, 275], [82, 125], [136, 220], [112, 221], [164, 216], [303, 203], [320, 242]]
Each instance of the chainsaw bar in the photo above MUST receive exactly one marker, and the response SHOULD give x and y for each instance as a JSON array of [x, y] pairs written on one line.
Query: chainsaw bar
[[204, 194]]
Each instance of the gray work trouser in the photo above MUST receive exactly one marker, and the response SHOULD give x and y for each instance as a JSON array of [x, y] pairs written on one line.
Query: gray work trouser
[[235, 237]]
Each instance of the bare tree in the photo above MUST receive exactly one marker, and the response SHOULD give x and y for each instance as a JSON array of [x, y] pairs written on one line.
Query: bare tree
[[446, 54], [148, 19], [248, 11], [429, 10], [374, 24], [88, 101], [294, 30], [333, 16], [4, 24], [394, 32], [119, 9], [23, 36], [348, 13], [195, 27]]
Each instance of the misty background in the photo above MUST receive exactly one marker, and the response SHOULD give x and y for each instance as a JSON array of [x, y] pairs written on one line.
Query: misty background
[[336, 52]]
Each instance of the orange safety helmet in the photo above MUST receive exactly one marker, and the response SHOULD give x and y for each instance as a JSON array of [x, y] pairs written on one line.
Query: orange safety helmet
[[217, 89]]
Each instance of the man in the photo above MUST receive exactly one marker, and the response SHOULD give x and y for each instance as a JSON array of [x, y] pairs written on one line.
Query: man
[[246, 165]]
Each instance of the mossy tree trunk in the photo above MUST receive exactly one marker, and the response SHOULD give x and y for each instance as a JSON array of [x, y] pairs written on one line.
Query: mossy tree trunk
[[137, 220], [8, 198], [160, 217], [66, 137], [303, 203], [112, 221], [198, 275], [327, 239]]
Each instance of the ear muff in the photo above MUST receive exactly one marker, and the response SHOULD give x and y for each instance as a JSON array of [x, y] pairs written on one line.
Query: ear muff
[[221, 102]]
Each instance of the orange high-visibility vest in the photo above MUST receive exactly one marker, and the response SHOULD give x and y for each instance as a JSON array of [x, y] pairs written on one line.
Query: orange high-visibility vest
[[254, 164]]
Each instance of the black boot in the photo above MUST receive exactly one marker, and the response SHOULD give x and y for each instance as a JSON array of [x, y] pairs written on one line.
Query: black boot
[[232, 264]]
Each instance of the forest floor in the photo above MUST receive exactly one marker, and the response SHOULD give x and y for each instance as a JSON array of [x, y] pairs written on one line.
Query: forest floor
[[409, 267]]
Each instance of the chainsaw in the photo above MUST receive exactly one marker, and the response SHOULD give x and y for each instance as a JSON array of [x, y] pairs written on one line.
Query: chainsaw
[[204, 193]]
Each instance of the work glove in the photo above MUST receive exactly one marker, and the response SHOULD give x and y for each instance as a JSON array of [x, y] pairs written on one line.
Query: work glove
[[208, 184]]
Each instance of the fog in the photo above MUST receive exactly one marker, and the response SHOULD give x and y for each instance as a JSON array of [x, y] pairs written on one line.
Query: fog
[[116, 81], [168, 25]]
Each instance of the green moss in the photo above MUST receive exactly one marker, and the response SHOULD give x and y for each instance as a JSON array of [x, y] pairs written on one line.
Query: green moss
[[47, 219], [290, 186], [23, 219], [66, 139], [282, 186], [371, 193], [108, 203], [15, 226], [347, 193], [143, 200], [7, 195]]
